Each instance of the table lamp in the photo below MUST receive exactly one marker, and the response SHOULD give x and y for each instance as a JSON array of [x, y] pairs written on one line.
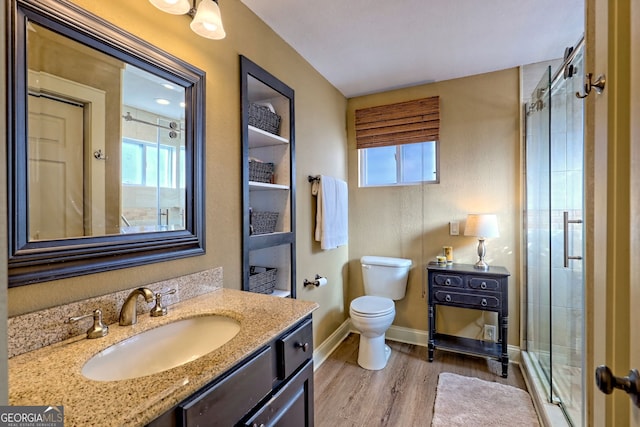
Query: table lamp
[[482, 226]]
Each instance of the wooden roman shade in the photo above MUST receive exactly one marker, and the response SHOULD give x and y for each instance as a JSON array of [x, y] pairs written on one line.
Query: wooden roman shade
[[402, 123]]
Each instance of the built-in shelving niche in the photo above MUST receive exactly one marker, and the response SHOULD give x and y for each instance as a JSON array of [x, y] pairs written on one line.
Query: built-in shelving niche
[[277, 248]]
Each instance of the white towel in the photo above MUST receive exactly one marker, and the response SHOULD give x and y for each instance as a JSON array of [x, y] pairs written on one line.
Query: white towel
[[332, 214]]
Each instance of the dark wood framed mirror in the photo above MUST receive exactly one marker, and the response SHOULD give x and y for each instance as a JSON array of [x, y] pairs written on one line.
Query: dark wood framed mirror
[[105, 147]]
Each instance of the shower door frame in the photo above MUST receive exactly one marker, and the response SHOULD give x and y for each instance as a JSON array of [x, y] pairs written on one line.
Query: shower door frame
[[553, 393]]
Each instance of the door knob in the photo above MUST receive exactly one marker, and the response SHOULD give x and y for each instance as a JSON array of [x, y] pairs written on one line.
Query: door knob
[[606, 382]]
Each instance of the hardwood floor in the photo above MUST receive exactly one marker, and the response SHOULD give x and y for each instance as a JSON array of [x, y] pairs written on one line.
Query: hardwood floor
[[400, 395]]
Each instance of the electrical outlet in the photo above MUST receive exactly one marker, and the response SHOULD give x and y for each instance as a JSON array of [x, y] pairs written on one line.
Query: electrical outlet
[[489, 332], [454, 228]]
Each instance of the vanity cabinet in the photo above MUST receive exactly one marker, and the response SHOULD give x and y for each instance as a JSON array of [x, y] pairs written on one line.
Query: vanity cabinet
[[273, 385], [268, 179]]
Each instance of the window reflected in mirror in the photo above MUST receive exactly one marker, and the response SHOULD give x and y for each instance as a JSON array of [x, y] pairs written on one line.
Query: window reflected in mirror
[[106, 143]]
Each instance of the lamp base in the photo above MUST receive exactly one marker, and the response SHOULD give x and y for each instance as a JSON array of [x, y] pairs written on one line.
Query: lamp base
[[481, 265]]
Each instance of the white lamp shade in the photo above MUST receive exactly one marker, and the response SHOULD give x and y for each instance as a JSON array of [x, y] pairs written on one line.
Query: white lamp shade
[[481, 225], [208, 22], [174, 7]]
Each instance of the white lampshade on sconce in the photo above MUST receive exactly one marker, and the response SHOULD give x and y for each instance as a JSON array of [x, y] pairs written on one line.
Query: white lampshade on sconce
[[482, 226], [174, 7], [207, 21]]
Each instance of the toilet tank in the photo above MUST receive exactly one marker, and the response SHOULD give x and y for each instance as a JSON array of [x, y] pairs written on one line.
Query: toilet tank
[[385, 276]]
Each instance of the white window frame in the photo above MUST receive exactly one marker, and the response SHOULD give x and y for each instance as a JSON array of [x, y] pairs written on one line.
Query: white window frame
[[362, 168]]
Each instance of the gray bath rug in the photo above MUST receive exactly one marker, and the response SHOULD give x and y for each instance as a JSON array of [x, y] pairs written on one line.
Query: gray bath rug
[[466, 401]]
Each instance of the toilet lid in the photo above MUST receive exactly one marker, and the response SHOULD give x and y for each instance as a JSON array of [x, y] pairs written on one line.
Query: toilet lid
[[370, 306]]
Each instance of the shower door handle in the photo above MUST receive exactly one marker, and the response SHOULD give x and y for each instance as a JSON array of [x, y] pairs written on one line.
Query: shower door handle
[[566, 222], [607, 382]]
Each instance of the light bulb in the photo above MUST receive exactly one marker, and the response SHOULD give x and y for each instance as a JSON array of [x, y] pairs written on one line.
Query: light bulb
[[174, 7]]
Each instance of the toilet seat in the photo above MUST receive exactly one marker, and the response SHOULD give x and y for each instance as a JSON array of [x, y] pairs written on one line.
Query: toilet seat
[[372, 306]]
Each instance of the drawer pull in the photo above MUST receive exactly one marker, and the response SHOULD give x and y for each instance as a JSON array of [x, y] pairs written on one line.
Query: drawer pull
[[447, 282], [483, 285], [447, 298], [304, 346], [483, 302]]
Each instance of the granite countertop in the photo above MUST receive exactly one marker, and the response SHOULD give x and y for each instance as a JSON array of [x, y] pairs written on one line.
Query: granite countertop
[[52, 375]]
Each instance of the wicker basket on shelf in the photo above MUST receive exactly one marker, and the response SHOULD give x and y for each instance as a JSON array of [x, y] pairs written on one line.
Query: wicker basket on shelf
[[263, 118], [263, 222], [262, 279], [260, 171]]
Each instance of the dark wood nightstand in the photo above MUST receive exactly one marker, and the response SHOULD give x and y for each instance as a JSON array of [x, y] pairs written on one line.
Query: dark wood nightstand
[[462, 285]]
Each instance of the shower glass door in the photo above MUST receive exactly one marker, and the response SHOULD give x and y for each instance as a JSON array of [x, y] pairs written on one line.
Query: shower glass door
[[555, 230], [538, 229], [567, 284]]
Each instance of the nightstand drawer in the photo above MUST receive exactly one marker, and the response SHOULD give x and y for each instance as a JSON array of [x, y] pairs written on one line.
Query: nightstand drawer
[[484, 284], [469, 300], [448, 280]]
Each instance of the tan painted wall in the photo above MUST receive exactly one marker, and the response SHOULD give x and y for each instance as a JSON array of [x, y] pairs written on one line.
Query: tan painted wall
[[321, 142], [479, 163]]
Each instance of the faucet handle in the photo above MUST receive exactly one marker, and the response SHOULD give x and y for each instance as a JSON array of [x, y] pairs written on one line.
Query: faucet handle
[[159, 310], [98, 329]]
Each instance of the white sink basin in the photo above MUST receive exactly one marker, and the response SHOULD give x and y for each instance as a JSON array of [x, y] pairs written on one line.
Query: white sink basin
[[162, 348]]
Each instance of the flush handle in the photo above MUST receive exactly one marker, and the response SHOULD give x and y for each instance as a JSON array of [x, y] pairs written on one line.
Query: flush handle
[[607, 382]]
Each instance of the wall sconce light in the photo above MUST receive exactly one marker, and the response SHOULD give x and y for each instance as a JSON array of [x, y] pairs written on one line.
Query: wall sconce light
[[207, 21], [482, 226], [174, 7]]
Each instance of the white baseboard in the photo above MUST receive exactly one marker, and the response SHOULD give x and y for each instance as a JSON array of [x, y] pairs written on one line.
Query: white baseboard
[[395, 333], [324, 350], [407, 335]]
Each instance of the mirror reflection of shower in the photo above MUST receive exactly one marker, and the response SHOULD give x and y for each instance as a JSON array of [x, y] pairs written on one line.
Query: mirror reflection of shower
[[153, 157]]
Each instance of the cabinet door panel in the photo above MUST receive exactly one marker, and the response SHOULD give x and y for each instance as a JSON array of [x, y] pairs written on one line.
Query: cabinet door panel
[[229, 400], [291, 406]]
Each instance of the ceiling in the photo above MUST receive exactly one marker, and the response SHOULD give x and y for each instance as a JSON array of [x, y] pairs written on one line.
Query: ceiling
[[369, 46]]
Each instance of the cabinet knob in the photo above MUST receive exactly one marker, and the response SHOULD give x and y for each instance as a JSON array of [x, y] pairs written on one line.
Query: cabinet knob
[[483, 302], [447, 282], [447, 298], [304, 346], [483, 285]]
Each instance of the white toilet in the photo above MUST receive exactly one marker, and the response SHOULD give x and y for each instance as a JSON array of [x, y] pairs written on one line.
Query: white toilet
[[385, 280]]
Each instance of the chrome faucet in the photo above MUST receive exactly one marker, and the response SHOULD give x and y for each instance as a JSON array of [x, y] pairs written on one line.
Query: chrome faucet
[[128, 313]]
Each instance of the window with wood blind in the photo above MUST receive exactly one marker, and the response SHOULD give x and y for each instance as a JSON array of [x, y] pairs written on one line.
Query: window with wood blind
[[398, 143]]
